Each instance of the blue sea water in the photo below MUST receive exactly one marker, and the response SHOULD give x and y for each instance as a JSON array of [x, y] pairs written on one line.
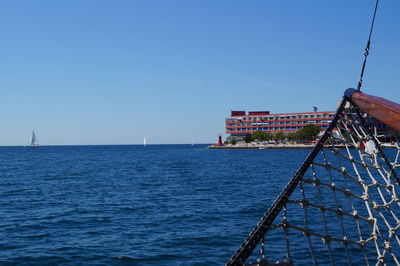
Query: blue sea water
[[134, 205]]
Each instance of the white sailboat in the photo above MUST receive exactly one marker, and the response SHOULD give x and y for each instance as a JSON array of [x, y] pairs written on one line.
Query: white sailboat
[[34, 140], [144, 141]]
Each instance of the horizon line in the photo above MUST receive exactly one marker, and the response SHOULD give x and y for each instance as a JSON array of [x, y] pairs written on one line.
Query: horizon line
[[154, 144]]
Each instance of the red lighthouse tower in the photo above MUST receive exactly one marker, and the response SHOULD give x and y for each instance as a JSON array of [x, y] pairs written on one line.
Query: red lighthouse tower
[[219, 140]]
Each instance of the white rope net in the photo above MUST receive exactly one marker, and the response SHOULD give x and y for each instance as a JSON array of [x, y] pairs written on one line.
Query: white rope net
[[345, 209]]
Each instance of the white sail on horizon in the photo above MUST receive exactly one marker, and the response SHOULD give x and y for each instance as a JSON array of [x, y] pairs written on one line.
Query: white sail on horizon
[[34, 140]]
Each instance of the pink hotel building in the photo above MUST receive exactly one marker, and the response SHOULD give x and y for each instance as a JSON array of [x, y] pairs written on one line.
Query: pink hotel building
[[240, 123]]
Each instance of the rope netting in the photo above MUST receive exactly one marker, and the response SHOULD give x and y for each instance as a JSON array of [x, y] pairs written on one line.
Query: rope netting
[[344, 207]]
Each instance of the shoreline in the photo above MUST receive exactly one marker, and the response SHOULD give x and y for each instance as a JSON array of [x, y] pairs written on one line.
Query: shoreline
[[262, 146], [254, 146]]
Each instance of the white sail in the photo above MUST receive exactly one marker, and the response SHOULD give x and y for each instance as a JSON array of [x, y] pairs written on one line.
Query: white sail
[[144, 141], [34, 140]]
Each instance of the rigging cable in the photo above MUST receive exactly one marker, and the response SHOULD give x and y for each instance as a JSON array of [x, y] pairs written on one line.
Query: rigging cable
[[366, 52]]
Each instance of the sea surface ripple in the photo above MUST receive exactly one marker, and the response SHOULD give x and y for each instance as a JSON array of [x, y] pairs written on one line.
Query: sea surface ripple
[[134, 205]]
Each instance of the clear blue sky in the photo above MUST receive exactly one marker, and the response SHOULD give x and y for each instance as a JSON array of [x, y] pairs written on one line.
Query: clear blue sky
[[112, 72]]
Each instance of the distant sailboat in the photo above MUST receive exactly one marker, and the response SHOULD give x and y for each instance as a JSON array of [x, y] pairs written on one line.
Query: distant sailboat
[[34, 141], [144, 141]]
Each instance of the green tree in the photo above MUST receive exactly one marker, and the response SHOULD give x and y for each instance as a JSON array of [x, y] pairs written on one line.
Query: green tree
[[291, 136], [233, 141], [279, 136], [247, 138], [299, 135], [258, 135], [309, 132], [268, 136]]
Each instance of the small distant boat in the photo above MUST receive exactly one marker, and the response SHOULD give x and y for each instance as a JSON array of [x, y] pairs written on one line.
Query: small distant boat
[[144, 142], [34, 140]]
